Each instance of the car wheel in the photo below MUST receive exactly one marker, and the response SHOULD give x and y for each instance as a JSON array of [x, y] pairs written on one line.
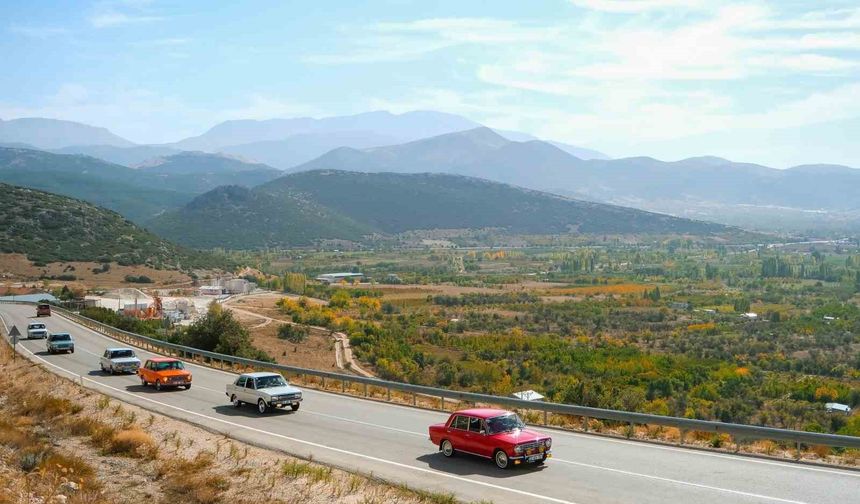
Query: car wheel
[[447, 448], [188, 387], [236, 402], [158, 385], [143, 382], [72, 350], [261, 406], [501, 459], [295, 407]]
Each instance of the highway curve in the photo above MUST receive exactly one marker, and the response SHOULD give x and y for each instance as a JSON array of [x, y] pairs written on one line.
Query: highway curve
[[391, 442]]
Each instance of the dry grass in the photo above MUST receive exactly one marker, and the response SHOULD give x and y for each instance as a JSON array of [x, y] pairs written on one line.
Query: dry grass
[[21, 268], [193, 480], [132, 443]]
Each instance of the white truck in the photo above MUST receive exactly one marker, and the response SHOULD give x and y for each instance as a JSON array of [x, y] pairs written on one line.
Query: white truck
[[119, 360], [37, 330], [265, 390]]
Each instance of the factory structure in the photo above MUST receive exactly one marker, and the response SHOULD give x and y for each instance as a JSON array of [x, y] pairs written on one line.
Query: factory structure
[[227, 286]]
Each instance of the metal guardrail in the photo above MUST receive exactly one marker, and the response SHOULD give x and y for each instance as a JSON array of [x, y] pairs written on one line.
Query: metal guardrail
[[739, 432]]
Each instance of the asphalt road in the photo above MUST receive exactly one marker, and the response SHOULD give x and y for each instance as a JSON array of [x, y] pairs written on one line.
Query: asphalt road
[[391, 442]]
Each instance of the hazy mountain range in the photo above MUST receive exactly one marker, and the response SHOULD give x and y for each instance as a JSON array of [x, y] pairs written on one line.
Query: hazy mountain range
[[705, 187], [810, 197], [54, 134]]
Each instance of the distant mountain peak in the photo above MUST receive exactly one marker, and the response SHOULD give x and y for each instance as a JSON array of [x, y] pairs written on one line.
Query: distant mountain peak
[[46, 133]]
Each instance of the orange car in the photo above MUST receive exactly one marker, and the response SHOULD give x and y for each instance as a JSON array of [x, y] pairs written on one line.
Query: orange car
[[164, 372]]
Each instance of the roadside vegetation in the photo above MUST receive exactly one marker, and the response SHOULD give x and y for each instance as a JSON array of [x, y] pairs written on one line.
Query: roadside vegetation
[[666, 328], [217, 331]]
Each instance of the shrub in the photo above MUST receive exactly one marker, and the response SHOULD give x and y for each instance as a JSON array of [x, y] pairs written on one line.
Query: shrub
[[293, 333], [138, 279], [132, 443]]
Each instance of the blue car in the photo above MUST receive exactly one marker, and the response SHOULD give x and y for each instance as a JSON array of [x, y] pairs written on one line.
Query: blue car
[[60, 342]]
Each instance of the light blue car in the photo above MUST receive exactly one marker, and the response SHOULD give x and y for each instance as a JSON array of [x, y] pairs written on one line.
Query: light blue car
[[60, 342]]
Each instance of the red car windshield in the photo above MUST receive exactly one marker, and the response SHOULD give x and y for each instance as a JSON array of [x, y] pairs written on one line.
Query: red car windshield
[[505, 423]]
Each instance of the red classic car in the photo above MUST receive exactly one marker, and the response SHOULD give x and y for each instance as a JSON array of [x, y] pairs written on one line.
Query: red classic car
[[491, 433]]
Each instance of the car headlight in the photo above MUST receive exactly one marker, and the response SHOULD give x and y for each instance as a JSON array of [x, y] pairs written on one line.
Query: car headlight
[[189, 378], [518, 449], [549, 443]]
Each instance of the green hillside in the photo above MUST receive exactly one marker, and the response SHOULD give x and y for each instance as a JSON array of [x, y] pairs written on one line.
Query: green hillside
[[48, 227], [238, 218], [138, 194], [302, 208]]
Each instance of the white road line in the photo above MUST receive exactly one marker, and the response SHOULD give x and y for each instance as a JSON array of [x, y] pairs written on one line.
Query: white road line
[[359, 422], [679, 482], [690, 451]]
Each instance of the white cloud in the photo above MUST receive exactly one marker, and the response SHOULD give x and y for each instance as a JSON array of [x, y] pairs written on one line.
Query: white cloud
[[805, 63], [162, 42], [404, 41], [637, 6], [112, 19], [821, 19]]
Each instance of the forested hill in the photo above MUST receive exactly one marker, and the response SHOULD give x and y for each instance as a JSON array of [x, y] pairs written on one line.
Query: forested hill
[[48, 227], [301, 208]]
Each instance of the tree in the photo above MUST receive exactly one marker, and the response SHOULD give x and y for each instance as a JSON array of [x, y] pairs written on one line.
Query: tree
[[295, 283], [340, 299], [220, 332], [742, 305]]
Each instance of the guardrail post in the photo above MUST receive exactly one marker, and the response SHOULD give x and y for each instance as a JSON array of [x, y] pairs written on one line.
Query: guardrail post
[[323, 382], [797, 452], [389, 394], [629, 431], [343, 386], [544, 417], [414, 399], [365, 390], [585, 423], [443, 403], [681, 435]]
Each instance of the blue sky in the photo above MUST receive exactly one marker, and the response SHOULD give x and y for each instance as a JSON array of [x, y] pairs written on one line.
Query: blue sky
[[668, 78]]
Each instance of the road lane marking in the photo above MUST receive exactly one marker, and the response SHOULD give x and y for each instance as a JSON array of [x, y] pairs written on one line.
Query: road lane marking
[[549, 431], [679, 482], [359, 422], [692, 451]]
